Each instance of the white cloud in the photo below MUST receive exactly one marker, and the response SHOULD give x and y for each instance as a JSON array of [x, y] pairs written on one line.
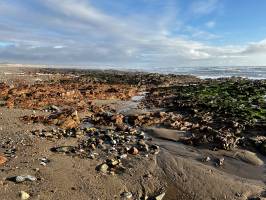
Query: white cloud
[[59, 47], [255, 48], [204, 7], [75, 32], [210, 24], [198, 34]]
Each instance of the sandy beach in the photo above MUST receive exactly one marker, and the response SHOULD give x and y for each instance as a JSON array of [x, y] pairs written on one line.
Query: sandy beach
[[108, 135]]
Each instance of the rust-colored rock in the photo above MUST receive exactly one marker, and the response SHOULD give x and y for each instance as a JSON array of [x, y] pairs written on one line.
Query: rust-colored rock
[[66, 119], [10, 103], [2, 160], [118, 119], [68, 91]]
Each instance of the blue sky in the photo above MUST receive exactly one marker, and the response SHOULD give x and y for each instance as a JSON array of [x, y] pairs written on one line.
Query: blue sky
[[134, 33]]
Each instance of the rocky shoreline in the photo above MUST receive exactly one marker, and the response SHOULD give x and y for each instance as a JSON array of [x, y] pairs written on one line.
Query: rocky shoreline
[[92, 134]]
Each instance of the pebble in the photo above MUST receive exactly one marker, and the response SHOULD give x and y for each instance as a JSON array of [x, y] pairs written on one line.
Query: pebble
[[160, 197], [220, 161], [206, 159], [64, 149], [2, 160], [112, 162], [103, 168], [133, 151], [44, 161], [24, 195], [20, 179], [126, 195]]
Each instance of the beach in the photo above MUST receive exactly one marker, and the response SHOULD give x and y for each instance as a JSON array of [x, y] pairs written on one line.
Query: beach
[[107, 134]]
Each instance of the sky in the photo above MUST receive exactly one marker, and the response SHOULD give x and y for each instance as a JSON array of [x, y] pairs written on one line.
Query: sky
[[134, 33]]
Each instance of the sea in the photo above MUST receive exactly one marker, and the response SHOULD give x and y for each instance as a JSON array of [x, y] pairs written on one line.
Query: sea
[[217, 72], [251, 72]]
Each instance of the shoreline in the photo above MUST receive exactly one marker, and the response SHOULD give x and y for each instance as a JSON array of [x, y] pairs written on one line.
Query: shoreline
[[123, 70], [66, 128]]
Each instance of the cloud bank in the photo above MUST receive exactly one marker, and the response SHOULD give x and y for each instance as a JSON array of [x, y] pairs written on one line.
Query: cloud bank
[[80, 32]]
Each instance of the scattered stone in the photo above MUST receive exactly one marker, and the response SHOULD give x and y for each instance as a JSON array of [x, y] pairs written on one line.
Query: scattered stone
[[103, 168], [133, 151], [112, 162], [160, 197], [155, 149], [2, 160], [66, 119], [44, 161], [24, 195], [126, 195], [91, 156], [220, 162], [54, 108], [206, 159], [22, 178], [64, 149]]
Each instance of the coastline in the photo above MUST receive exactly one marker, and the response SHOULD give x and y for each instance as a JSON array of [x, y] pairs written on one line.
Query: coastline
[[178, 170]]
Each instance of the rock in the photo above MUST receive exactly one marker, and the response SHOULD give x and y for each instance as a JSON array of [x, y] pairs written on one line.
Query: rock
[[155, 149], [126, 195], [206, 159], [64, 149], [220, 161], [22, 178], [160, 197], [2, 160], [92, 146], [79, 134], [103, 168], [118, 119], [55, 108], [112, 162], [24, 195], [91, 156], [123, 156], [66, 119], [44, 161], [133, 151]]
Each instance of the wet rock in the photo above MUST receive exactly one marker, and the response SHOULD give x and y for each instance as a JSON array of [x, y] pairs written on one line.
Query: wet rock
[[155, 149], [206, 159], [220, 162], [24, 195]]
